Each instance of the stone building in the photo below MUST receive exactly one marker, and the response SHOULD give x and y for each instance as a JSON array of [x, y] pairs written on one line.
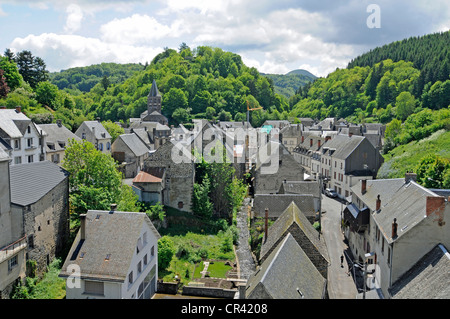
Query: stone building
[[95, 132], [179, 175], [13, 242], [40, 195], [130, 151]]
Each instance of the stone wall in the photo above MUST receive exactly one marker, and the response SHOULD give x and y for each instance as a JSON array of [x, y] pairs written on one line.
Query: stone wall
[[209, 292], [46, 224]]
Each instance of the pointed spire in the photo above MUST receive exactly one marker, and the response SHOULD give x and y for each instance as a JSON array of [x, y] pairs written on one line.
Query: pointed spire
[[154, 90]]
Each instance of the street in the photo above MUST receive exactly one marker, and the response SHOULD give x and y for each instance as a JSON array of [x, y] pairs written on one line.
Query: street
[[340, 283]]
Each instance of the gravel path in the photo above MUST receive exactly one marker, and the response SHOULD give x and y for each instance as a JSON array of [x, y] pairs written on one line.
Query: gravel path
[[246, 262]]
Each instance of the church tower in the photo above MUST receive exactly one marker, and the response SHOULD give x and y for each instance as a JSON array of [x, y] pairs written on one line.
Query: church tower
[[154, 99]]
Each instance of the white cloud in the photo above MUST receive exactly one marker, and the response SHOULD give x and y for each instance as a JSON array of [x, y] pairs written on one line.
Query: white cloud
[[74, 17], [68, 51], [138, 29]]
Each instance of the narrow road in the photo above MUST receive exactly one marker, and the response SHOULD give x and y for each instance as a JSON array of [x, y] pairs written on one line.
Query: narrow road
[[340, 283], [243, 254]]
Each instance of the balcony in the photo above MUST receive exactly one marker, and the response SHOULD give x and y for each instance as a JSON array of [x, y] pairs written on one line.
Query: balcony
[[12, 249], [356, 219]]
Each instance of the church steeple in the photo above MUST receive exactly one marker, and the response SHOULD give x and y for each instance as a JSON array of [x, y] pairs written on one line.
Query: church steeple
[[154, 99]]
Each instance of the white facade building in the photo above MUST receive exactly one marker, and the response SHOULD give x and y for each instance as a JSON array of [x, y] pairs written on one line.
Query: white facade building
[[114, 256]]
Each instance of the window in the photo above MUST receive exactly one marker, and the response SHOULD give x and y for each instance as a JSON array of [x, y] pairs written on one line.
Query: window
[[30, 158], [130, 277], [139, 267], [100, 147], [108, 146], [152, 251], [17, 144], [145, 260], [93, 287], [29, 129], [30, 142], [83, 136], [12, 262], [30, 241], [18, 160]]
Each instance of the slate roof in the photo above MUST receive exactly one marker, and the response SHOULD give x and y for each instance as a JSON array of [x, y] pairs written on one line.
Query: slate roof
[[293, 216], [31, 181], [154, 90], [134, 143], [429, 278], [56, 133], [405, 201], [278, 203], [287, 273], [100, 131], [114, 233], [3, 155], [344, 145], [300, 187], [13, 123]]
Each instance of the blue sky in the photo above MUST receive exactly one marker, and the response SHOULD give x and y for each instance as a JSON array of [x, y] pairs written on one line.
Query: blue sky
[[273, 36]]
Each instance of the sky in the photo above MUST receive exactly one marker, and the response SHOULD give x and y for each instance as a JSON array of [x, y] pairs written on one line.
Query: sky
[[273, 36]]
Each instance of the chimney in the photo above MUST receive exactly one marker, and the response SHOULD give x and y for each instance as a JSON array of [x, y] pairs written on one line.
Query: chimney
[[266, 224], [327, 138], [98, 119], [3, 107], [350, 134], [410, 176], [435, 204], [318, 143], [394, 228], [378, 205], [59, 123], [310, 142], [113, 208], [82, 226], [18, 109], [303, 138], [363, 186]]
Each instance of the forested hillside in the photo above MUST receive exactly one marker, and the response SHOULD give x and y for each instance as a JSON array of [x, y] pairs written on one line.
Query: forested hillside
[[289, 84], [85, 78]]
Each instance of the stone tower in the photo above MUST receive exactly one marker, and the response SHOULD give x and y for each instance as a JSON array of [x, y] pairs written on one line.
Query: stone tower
[[154, 99]]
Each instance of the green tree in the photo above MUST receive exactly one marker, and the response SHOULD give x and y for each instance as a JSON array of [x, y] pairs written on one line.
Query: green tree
[[32, 69], [113, 129], [4, 88], [94, 181], [47, 94], [11, 73], [433, 171], [172, 100], [201, 203], [181, 116], [166, 250], [406, 104]]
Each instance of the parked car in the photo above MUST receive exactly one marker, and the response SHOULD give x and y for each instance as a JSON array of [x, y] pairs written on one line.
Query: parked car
[[330, 192]]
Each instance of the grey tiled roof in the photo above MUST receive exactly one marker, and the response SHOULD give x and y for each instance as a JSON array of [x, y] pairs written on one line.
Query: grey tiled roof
[[429, 278], [31, 181], [344, 145], [294, 217], [300, 187], [100, 131], [287, 273], [134, 143], [278, 203], [56, 133], [13, 123], [114, 233]]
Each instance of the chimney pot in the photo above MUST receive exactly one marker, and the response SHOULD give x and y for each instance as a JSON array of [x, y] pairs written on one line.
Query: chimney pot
[[18, 109], [378, 204], [394, 228], [113, 207], [409, 176], [363, 186]]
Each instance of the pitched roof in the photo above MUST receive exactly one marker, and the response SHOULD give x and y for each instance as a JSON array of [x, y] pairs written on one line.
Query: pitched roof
[[287, 273], [31, 181], [134, 143], [144, 177], [107, 233], [13, 123], [429, 278], [344, 145], [310, 240], [300, 187], [58, 133], [97, 128], [278, 203]]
